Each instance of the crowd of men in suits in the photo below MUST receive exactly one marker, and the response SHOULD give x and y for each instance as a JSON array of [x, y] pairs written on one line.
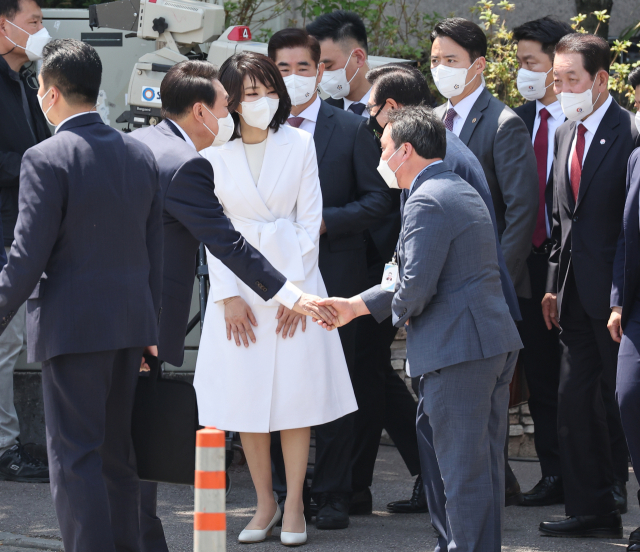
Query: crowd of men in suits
[[553, 176]]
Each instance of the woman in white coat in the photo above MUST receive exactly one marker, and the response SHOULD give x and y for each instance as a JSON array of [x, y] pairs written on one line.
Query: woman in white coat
[[255, 373]]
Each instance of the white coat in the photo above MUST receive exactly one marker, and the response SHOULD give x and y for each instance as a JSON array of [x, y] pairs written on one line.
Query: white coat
[[275, 383]]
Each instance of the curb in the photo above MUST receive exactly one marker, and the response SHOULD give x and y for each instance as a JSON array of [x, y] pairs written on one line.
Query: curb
[[20, 541]]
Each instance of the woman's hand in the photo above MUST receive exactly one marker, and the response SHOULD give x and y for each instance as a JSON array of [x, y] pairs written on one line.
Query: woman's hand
[[239, 317], [289, 320]]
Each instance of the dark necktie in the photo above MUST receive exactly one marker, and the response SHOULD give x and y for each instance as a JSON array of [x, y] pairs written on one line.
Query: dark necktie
[[576, 162], [540, 147], [448, 120], [357, 108], [295, 121]]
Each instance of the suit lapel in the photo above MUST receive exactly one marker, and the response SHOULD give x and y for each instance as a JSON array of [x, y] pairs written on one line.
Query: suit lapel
[[473, 119], [277, 151], [324, 129], [603, 139]]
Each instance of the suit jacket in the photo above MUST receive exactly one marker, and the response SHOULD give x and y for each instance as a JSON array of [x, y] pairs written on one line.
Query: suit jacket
[[354, 196], [449, 281], [499, 139], [192, 214], [527, 112], [585, 235], [88, 243], [626, 266]]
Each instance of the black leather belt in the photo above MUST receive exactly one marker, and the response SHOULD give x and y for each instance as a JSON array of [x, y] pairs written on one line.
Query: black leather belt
[[544, 249]]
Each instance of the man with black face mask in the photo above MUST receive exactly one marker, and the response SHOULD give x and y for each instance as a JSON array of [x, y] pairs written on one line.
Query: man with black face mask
[[22, 38]]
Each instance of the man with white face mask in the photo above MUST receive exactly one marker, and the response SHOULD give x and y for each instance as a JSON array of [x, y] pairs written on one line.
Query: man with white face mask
[[355, 197], [542, 115], [23, 126], [589, 175], [343, 40]]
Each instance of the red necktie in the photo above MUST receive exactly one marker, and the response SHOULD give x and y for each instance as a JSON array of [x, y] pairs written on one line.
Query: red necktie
[[448, 120], [541, 148], [576, 162], [295, 121]]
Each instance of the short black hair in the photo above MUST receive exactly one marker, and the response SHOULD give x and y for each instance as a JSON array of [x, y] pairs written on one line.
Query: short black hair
[[185, 84], [547, 31], [260, 69], [74, 68], [420, 127], [595, 51], [402, 83], [9, 8], [465, 33], [294, 38], [634, 77], [338, 26]]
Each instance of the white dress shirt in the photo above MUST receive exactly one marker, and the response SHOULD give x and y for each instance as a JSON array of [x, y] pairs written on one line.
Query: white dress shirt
[[73, 117], [556, 118], [364, 101], [592, 122], [463, 108], [310, 116]]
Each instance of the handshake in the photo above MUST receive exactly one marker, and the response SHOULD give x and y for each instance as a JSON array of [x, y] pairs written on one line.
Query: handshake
[[333, 312]]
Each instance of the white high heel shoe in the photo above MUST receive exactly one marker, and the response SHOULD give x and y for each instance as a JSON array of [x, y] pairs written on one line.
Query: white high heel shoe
[[248, 536], [294, 539]]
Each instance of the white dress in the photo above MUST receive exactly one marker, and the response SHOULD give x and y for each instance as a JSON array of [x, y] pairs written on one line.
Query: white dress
[[275, 383]]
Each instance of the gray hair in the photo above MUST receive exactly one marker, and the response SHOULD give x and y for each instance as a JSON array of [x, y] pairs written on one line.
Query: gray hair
[[420, 127]]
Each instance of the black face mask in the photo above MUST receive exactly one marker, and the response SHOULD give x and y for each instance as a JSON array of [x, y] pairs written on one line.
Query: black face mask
[[375, 126]]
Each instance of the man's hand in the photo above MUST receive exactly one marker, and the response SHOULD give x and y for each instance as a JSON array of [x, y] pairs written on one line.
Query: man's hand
[[239, 317], [309, 306], [614, 327], [550, 310], [289, 320], [323, 228], [151, 350], [346, 309]]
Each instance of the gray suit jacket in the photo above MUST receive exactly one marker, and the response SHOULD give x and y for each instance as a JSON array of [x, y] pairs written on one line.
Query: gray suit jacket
[[449, 284], [502, 144]]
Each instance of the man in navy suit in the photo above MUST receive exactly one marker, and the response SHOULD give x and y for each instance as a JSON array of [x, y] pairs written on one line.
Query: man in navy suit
[[88, 257], [193, 104]]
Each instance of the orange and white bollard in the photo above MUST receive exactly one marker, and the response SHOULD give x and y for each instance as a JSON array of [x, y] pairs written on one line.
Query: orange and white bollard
[[210, 522]]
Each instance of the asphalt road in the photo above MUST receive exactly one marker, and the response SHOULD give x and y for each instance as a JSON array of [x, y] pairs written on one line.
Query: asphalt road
[[27, 509]]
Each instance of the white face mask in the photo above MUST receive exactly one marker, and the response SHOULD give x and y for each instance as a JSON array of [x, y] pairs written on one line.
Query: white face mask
[[301, 89], [577, 106], [335, 83], [35, 43], [225, 129], [388, 174], [531, 84], [258, 114], [40, 100], [450, 81], [638, 121]]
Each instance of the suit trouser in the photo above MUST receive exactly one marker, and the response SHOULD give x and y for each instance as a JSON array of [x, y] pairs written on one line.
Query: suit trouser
[[628, 385], [593, 450], [152, 537], [541, 359], [88, 404], [383, 401], [12, 342], [462, 421]]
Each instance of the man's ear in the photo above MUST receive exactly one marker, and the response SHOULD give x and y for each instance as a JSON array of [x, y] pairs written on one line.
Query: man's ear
[[361, 56], [392, 104], [196, 110], [320, 71]]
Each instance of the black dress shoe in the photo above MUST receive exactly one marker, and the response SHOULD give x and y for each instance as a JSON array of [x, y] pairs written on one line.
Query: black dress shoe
[[549, 490], [619, 490], [513, 495], [361, 503], [16, 464], [608, 526], [635, 547], [634, 537], [417, 504], [333, 511]]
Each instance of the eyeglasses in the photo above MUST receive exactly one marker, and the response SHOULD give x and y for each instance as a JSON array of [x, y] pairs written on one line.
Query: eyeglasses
[[369, 107]]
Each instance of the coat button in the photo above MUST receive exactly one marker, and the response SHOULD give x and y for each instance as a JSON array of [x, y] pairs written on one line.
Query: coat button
[[575, 219]]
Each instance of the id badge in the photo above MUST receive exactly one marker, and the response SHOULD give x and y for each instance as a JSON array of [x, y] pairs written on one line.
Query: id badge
[[389, 277]]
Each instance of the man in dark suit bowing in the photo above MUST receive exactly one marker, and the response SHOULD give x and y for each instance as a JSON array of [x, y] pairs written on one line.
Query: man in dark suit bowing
[[354, 197], [542, 115], [589, 172], [88, 256], [194, 105]]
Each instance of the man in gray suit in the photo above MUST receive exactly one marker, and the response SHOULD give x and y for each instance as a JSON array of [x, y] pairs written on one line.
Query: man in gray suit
[[459, 330]]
